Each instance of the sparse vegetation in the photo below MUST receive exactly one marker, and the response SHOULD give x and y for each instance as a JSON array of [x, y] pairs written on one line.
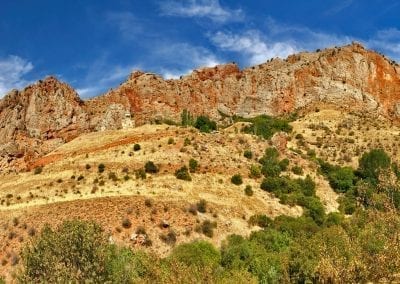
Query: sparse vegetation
[[265, 126], [136, 147], [183, 174], [193, 165], [237, 179], [101, 168], [150, 168], [205, 124]]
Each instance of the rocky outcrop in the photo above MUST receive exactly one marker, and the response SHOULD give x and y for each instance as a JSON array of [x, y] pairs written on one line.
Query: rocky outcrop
[[47, 114], [349, 76]]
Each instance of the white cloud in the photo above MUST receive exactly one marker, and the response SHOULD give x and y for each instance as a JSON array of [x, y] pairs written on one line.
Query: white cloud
[[210, 9], [252, 46], [277, 40], [183, 58], [102, 74], [386, 41], [12, 71]]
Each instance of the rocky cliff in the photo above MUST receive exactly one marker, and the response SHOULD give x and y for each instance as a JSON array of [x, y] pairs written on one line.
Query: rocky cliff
[[44, 115]]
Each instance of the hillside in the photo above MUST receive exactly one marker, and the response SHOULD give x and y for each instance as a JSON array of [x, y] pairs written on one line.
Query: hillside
[[283, 172], [43, 116]]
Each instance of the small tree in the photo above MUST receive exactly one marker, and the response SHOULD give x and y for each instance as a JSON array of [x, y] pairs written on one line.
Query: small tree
[[237, 179], [372, 163], [101, 168], [150, 168], [193, 165], [183, 174]]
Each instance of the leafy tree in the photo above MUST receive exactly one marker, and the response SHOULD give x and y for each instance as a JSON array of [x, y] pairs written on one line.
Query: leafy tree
[[150, 167], [183, 174], [74, 252], [193, 165], [237, 179], [205, 124], [197, 253], [371, 163]]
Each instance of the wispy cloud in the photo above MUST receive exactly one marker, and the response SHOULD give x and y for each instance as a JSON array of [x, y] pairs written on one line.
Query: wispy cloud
[[252, 46], [126, 22], [210, 9], [182, 58], [339, 6], [387, 41], [276, 40], [12, 72], [102, 74]]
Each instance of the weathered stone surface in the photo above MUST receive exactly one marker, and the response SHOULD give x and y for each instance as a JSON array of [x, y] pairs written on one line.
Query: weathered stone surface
[[49, 113]]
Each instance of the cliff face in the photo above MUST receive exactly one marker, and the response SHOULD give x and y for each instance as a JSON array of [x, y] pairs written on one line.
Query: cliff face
[[49, 113], [348, 76]]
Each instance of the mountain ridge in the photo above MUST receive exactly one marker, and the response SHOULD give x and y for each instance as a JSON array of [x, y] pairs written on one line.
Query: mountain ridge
[[47, 114]]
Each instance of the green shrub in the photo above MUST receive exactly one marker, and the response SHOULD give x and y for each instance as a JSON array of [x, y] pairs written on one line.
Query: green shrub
[[75, 252], [237, 179], [140, 173], [248, 190], [201, 206], [101, 168], [371, 163], [297, 170], [150, 167], [341, 179], [38, 170], [260, 220], [204, 124], [171, 141], [255, 171], [207, 228], [265, 126], [198, 253], [125, 266], [183, 174], [136, 147], [193, 165], [248, 154], [283, 164]]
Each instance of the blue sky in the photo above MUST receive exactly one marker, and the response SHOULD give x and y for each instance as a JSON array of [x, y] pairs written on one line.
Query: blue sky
[[94, 44]]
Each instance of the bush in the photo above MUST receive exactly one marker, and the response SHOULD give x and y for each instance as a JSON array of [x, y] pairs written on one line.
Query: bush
[[341, 179], [75, 252], [136, 147], [199, 254], [255, 171], [260, 220], [248, 190], [283, 164], [38, 170], [207, 228], [265, 126], [248, 154], [237, 179], [140, 173], [183, 174], [150, 168], [201, 206], [169, 238], [193, 165], [371, 163], [101, 168], [126, 223], [297, 170], [171, 141], [204, 124]]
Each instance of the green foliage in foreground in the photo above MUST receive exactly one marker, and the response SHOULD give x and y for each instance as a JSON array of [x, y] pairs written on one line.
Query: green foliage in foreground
[[362, 248], [265, 126]]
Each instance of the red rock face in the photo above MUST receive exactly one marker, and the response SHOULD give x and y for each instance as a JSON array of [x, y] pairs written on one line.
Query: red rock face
[[49, 113]]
